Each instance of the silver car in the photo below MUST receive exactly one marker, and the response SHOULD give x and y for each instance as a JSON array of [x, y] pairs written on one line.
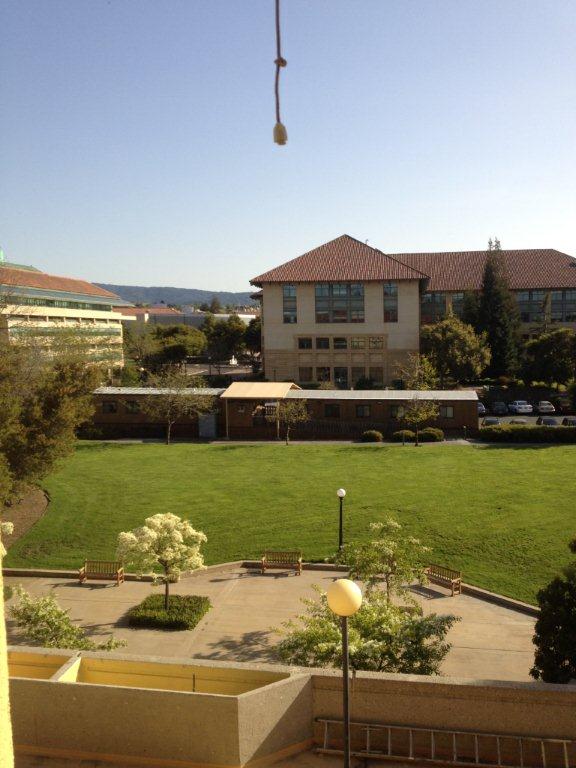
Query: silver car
[[520, 406], [545, 406]]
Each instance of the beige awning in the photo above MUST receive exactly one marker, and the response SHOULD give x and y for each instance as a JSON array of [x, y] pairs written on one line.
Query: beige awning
[[258, 390]]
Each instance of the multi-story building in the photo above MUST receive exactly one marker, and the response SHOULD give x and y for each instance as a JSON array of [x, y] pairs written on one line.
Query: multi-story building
[[42, 307], [345, 310]]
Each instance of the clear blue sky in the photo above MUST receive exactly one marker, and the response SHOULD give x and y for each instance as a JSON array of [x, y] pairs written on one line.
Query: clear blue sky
[[136, 135]]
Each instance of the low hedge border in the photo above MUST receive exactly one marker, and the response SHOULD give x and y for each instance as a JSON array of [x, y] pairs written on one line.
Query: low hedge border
[[184, 612], [371, 436], [519, 433]]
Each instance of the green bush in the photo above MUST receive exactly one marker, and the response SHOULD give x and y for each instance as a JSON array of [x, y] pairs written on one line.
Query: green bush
[[371, 436], [7, 591], [404, 435], [517, 433], [184, 612], [431, 435]]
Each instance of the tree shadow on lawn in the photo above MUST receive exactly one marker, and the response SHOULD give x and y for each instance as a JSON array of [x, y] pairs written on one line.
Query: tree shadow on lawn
[[250, 646]]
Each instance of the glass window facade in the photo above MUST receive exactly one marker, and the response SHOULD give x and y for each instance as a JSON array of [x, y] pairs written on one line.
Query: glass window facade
[[362, 411], [305, 343], [290, 314], [323, 373], [531, 306], [563, 306], [341, 376], [340, 342], [458, 304], [432, 307], [390, 302], [357, 342], [322, 342], [339, 303]]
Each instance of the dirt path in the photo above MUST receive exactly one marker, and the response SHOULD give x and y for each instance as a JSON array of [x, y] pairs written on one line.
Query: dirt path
[[24, 514]]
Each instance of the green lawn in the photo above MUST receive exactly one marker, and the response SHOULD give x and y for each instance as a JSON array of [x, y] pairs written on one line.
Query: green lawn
[[503, 515]]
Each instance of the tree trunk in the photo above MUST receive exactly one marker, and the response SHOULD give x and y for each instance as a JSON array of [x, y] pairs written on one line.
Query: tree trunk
[[287, 435], [166, 589], [168, 432], [417, 443]]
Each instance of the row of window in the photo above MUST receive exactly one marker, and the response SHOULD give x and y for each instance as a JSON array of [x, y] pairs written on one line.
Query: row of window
[[363, 411], [339, 303], [130, 406], [341, 342], [62, 303], [341, 375]]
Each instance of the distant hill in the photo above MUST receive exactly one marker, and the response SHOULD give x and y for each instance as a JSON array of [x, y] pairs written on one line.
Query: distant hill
[[139, 294]]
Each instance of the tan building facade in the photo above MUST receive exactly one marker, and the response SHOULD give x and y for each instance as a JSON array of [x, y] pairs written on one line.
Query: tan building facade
[[347, 311]]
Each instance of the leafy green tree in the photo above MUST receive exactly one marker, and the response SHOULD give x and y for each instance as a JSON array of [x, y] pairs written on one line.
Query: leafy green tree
[[45, 623], [418, 412], [389, 558], [225, 337], [140, 344], [551, 357], [176, 343], [498, 315], [253, 336], [178, 399], [471, 309], [555, 631], [455, 350], [290, 413], [215, 306], [417, 372], [164, 541]]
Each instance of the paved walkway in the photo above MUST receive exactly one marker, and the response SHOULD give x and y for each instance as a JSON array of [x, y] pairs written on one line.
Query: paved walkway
[[490, 642]]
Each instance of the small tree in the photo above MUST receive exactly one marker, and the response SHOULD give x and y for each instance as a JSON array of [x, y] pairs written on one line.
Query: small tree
[[455, 350], [48, 625], [382, 637], [555, 631], [164, 541], [418, 412], [179, 399], [290, 413], [389, 557], [417, 372]]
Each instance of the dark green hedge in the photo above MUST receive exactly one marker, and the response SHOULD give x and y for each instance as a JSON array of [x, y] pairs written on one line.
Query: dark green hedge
[[184, 612], [518, 433], [431, 435], [405, 435], [371, 436]]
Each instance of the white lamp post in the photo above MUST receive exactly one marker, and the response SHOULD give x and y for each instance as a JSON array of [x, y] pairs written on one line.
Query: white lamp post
[[341, 493], [344, 599]]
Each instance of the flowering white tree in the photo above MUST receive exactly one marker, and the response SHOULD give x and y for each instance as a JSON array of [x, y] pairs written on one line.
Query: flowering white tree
[[164, 540]]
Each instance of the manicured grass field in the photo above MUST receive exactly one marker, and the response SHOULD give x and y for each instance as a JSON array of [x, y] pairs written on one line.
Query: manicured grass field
[[503, 515]]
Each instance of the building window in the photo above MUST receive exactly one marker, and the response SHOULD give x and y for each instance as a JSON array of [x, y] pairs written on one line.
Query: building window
[[109, 406], [357, 374], [323, 373], [447, 411], [362, 411], [357, 342], [397, 411], [332, 411], [339, 303], [563, 306], [376, 342], [132, 406], [322, 342], [305, 374], [432, 307], [377, 376], [531, 306], [340, 342], [289, 305], [458, 304], [390, 302], [341, 377], [305, 343]]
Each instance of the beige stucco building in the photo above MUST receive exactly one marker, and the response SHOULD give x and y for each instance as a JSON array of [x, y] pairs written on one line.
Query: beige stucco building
[[346, 311]]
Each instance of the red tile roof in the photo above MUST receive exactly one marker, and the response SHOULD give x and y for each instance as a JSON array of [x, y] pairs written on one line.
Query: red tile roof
[[137, 311], [342, 259], [348, 259], [463, 270], [26, 278]]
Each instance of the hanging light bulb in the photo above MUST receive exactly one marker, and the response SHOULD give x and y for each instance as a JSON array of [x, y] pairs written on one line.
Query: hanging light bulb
[[280, 134]]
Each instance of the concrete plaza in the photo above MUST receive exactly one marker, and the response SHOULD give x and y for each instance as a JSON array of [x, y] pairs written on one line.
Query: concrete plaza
[[490, 642]]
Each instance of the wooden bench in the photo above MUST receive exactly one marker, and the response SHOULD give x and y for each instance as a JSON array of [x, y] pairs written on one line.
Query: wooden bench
[[101, 569], [288, 560], [447, 577]]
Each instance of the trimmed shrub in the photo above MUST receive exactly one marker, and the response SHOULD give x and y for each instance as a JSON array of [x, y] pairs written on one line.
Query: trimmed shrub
[[404, 435], [371, 436], [518, 433], [431, 435], [184, 612], [7, 591]]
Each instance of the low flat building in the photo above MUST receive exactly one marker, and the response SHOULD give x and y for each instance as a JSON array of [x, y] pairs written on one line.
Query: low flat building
[[38, 307], [346, 311]]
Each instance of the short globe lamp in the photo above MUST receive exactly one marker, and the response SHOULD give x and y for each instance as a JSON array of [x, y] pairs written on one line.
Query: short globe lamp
[[341, 493], [345, 599]]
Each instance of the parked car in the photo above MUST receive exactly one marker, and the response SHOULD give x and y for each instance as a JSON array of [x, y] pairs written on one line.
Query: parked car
[[545, 406], [491, 421], [563, 403], [481, 409], [569, 421], [520, 406], [546, 421], [518, 421], [499, 408]]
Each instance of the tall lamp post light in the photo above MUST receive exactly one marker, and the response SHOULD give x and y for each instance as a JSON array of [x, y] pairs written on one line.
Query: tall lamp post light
[[341, 493], [344, 599]]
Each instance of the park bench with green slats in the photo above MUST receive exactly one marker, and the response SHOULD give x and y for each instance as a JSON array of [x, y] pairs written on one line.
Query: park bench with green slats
[[108, 570], [276, 559], [447, 577]]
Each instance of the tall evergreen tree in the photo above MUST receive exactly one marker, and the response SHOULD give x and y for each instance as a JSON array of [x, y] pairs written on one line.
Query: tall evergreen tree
[[498, 314]]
